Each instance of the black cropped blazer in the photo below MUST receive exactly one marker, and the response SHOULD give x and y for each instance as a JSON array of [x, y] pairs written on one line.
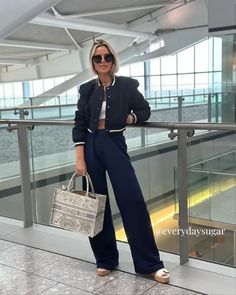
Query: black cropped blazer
[[122, 98]]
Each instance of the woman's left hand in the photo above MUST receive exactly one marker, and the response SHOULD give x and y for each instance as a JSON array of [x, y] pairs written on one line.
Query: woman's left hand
[[130, 119]]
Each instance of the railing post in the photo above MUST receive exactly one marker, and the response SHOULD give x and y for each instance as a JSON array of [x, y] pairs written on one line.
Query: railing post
[[32, 110], [21, 114], [180, 109], [234, 248], [25, 174], [209, 107], [59, 108], [183, 195], [143, 139], [217, 106]]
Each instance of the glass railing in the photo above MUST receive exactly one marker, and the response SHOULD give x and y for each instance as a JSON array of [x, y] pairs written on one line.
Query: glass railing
[[212, 215], [212, 200], [11, 197], [180, 179]]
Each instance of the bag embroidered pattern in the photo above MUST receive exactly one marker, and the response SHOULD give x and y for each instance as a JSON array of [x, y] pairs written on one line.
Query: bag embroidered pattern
[[78, 211]]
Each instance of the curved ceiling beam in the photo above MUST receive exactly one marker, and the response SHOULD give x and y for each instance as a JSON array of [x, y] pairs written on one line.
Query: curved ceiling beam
[[36, 45], [118, 10], [11, 62], [20, 12], [90, 26]]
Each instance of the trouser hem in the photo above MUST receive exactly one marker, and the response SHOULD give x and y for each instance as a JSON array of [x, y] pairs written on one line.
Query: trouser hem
[[149, 271], [107, 266]]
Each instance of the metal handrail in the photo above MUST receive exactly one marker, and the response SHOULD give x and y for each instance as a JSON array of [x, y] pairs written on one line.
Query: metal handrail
[[164, 125], [37, 107], [148, 98]]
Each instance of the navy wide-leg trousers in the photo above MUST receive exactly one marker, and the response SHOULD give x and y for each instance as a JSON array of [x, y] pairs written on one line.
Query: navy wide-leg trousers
[[106, 151]]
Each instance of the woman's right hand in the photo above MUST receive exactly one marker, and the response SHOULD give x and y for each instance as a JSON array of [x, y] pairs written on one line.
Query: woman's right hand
[[81, 168]]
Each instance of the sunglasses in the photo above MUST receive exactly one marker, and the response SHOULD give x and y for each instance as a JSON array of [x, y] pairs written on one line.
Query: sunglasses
[[107, 57]]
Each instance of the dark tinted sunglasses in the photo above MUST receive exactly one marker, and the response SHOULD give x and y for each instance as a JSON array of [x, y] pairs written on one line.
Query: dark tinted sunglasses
[[107, 57]]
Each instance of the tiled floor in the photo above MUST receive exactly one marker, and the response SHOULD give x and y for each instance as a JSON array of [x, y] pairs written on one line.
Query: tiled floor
[[25, 270], [45, 260]]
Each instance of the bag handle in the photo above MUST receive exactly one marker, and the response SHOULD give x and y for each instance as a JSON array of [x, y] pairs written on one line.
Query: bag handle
[[71, 184]]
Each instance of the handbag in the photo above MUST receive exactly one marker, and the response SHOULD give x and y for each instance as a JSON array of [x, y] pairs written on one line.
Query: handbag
[[76, 210]]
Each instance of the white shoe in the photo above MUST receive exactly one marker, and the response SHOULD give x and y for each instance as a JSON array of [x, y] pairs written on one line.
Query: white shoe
[[162, 276]]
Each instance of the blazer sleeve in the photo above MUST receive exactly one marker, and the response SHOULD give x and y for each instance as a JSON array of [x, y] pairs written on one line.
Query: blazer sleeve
[[79, 130], [140, 108]]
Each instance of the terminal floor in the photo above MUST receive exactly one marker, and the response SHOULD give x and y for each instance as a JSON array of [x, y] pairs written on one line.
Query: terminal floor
[[44, 260], [26, 270]]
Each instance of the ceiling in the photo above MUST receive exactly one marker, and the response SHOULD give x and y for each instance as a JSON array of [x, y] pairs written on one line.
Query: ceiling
[[48, 38]]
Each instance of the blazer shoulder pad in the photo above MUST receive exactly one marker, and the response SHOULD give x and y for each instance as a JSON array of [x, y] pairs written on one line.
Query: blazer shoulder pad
[[128, 81], [85, 88]]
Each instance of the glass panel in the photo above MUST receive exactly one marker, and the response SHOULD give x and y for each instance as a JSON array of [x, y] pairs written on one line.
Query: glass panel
[[162, 193], [18, 90], [168, 64], [201, 80], [186, 81], [155, 66], [11, 199], [155, 92], [48, 84], [53, 161], [59, 80], [155, 85], [137, 69], [72, 96], [141, 84], [134, 138], [211, 54], [186, 60], [217, 54], [2, 96], [8, 91], [201, 57], [124, 71], [168, 82], [217, 81], [212, 197], [9, 114], [36, 87]]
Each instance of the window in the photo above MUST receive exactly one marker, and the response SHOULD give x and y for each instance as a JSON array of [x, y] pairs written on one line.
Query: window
[[186, 61], [141, 83], [168, 64], [201, 80], [2, 104], [186, 81], [137, 69], [59, 80], [124, 71], [168, 82], [48, 84], [155, 68], [201, 57], [36, 87], [155, 86], [217, 54], [8, 90]]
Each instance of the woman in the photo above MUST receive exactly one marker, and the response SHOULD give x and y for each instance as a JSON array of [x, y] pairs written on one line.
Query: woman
[[106, 105]]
